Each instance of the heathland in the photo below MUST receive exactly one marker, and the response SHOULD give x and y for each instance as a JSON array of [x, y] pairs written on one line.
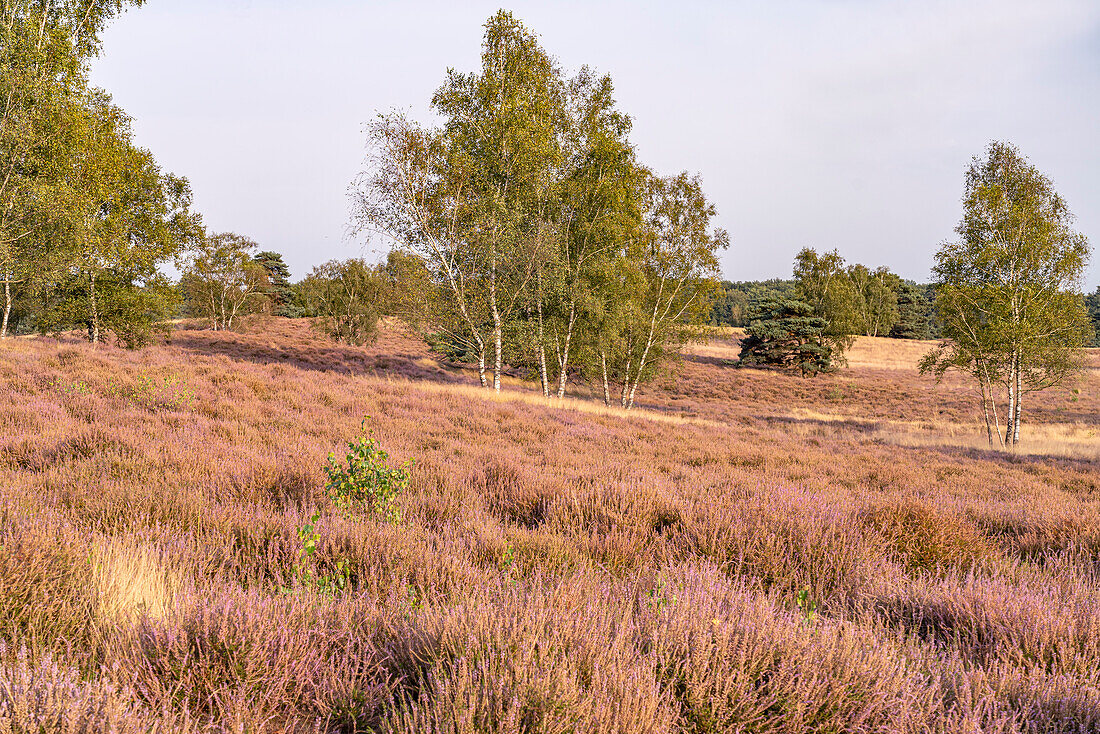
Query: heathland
[[745, 551]]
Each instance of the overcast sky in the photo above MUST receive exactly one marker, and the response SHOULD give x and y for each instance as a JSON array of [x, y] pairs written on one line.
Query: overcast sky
[[821, 123]]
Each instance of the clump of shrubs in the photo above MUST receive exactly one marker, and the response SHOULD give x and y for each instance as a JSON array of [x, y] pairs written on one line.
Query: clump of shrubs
[[364, 483]]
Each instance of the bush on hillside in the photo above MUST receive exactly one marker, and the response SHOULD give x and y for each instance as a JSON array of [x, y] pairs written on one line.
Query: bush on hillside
[[365, 483], [785, 334]]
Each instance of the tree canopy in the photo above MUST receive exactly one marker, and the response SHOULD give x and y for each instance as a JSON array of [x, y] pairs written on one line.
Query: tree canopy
[[544, 244], [1008, 289], [87, 218], [786, 334]]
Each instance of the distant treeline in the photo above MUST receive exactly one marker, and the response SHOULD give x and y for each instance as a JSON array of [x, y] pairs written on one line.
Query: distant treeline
[[909, 310], [1092, 303]]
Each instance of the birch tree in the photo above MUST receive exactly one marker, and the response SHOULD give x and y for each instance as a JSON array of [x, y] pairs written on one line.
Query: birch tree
[[598, 210], [876, 299], [468, 197], [526, 210], [505, 123], [122, 216], [822, 281], [40, 75], [80, 207], [1009, 289], [418, 191], [347, 298], [671, 270], [79, 22], [223, 281]]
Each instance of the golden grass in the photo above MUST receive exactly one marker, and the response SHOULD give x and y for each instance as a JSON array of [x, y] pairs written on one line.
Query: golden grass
[[1066, 440], [132, 580], [516, 391], [867, 352], [887, 354]]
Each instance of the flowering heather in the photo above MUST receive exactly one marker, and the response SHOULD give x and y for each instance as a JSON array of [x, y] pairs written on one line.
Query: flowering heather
[[748, 551]]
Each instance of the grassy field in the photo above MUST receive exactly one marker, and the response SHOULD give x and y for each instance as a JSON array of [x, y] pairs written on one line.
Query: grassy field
[[747, 551]]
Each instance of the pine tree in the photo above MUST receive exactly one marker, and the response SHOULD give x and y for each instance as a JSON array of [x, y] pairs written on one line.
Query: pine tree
[[785, 333], [278, 289], [913, 312], [1092, 303]]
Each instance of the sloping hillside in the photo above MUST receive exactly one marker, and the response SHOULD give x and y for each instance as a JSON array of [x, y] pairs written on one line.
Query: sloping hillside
[[747, 551]]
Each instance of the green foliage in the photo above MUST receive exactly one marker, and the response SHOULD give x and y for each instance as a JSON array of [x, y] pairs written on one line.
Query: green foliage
[[530, 235], [660, 596], [1092, 303], [86, 216], [823, 283], [414, 598], [852, 299], [307, 573], [507, 563], [282, 296], [507, 558], [876, 299], [1007, 291], [347, 298], [168, 392], [79, 22], [734, 299], [76, 387], [807, 607], [148, 391], [785, 334], [222, 282], [914, 311], [365, 484], [132, 309]]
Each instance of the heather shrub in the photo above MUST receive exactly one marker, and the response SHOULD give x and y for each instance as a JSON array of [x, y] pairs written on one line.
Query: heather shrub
[[529, 657], [365, 483], [991, 620], [552, 553], [510, 494], [735, 661], [151, 392], [304, 661], [40, 696], [785, 540], [48, 590], [557, 567], [145, 390], [924, 539]]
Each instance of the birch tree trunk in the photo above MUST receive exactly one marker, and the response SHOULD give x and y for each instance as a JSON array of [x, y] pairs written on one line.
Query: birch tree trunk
[[481, 366], [626, 385], [498, 362], [7, 309], [641, 362], [563, 363], [606, 387], [993, 405], [985, 410], [542, 345], [1019, 409], [93, 307], [1013, 398]]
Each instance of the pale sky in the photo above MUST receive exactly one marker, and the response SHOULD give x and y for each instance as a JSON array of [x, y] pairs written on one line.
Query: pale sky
[[820, 123]]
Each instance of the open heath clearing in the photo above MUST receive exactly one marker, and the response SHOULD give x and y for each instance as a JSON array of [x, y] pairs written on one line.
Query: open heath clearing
[[746, 551]]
